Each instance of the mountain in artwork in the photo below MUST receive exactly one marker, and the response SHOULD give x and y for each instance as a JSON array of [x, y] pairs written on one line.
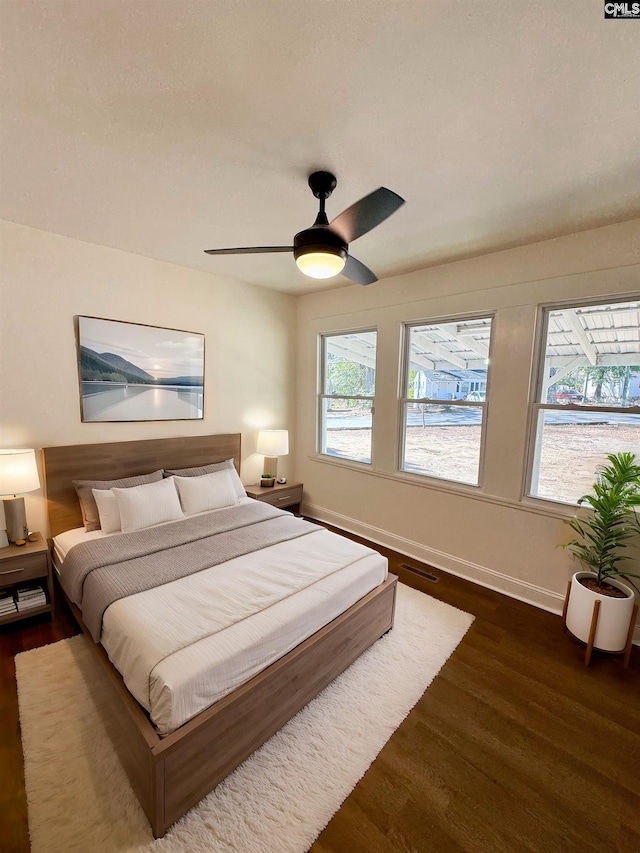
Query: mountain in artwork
[[109, 367]]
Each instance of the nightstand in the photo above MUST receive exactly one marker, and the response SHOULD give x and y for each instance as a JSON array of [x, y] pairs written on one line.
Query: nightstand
[[26, 566], [286, 496]]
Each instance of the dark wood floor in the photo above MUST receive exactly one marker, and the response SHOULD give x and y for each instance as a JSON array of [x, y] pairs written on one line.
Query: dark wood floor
[[516, 746]]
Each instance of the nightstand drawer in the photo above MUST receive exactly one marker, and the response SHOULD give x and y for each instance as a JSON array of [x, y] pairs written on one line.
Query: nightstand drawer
[[282, 497], [18, 569]]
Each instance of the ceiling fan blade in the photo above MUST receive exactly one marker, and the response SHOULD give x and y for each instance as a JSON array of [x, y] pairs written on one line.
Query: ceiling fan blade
[[366, 214], [249, 250], [356, 271]]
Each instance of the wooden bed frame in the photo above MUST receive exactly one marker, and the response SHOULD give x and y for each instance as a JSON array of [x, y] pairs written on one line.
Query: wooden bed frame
[[170, 775]]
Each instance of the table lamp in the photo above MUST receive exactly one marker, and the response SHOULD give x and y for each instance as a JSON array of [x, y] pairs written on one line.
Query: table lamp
[[18, 474], [273, 443]]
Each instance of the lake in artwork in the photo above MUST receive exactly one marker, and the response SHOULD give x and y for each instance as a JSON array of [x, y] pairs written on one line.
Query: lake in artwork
[[130, 372]]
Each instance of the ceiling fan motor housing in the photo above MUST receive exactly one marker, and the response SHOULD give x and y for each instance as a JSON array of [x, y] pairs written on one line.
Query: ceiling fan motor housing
[[319, 239]]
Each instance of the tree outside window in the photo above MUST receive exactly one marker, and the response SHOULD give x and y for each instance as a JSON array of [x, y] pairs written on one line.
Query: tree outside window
[[347, 394]]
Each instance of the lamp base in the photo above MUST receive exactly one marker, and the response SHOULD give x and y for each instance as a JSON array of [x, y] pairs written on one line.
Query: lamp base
[[270, 465], [15, 518]]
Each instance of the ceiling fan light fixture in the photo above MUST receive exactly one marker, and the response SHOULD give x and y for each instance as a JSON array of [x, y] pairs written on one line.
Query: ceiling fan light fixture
[[319, 252], [321, 263]]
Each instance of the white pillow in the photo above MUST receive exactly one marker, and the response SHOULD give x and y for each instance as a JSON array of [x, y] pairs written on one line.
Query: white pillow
[[107, 510], [237, 482], [144, 506], [207, 492], [200, 470]]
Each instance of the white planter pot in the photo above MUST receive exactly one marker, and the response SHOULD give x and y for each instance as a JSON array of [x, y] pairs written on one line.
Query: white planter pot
[[613, 619]]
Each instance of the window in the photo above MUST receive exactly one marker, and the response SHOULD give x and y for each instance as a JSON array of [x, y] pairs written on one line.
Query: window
[[347, 393], [445, 397], [588, 400]]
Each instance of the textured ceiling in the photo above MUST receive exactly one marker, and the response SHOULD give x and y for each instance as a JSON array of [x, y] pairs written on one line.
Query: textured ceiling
[[164, 127]]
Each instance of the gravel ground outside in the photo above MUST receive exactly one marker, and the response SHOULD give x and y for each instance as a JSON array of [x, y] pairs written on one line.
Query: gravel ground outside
[[569, 461]]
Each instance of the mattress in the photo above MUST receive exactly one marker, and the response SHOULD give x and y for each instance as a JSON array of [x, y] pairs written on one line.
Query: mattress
[[165, 641]]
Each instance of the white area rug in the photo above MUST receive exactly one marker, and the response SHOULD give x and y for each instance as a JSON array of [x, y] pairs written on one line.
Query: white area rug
[[278, 801]]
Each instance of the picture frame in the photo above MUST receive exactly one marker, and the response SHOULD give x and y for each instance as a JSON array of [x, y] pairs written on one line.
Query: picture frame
[[136, 372]]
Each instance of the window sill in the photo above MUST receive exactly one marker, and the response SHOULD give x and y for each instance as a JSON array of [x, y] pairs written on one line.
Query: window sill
[[341, 461], [561, 511]]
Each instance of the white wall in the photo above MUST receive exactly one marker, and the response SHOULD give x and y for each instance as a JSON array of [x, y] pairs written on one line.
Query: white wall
[[497, 538], [46, 279]]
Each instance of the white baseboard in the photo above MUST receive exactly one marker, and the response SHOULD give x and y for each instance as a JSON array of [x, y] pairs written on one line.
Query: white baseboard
[[521, 590]]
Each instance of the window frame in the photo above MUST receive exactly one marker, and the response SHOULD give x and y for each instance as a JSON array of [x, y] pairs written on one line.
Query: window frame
[[322, 395], [404, 400], [534, 442]]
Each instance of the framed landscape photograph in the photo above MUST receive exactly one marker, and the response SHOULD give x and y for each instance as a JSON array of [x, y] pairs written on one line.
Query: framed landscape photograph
[[133, 372]]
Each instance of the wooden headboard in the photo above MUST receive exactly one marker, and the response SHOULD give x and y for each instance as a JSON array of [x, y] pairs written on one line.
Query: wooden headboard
[[113, 460]]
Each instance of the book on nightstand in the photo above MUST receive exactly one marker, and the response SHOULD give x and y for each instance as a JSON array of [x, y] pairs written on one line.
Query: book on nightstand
[[28, 597], [7, 604]]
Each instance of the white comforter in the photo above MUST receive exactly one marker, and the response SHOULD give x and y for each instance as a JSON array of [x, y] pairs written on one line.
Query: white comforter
[[182, 646]]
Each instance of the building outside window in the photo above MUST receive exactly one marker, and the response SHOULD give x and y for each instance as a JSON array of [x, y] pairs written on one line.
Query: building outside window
[[445, 392], [588, 399], [347, 392]]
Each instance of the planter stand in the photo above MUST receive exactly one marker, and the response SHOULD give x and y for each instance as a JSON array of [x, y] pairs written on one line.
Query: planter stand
[[592, 631]]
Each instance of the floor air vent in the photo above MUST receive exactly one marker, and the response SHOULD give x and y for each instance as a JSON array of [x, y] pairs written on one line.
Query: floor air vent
[[423, 574]]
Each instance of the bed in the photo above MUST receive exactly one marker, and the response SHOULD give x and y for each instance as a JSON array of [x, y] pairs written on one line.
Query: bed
[[178, 742]]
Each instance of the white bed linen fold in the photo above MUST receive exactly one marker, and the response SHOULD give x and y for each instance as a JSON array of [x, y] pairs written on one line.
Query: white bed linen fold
[[64, 542]]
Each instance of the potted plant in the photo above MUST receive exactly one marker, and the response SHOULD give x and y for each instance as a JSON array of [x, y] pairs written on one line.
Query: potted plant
[[267, 480], [600, 607]]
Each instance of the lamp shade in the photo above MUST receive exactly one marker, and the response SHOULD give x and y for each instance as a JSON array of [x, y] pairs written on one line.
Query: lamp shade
[[273, 442], [18, 472]]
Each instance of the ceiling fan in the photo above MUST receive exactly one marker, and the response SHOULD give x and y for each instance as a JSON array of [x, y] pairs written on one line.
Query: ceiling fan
[[322, 251]]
